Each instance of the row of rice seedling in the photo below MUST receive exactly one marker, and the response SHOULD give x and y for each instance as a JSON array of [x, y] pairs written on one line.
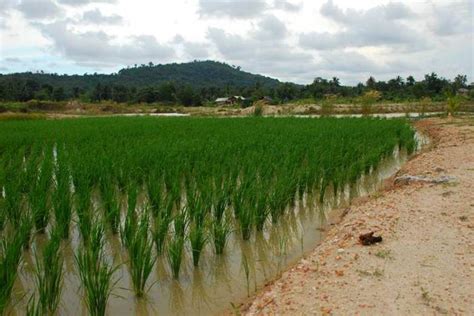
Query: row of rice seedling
[[174, 189], [96, 273], [141, 257], [62, 197], [49, 276], [11, 246]]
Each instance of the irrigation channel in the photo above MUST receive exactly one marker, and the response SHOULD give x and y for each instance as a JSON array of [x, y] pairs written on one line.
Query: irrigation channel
[[220, 280]]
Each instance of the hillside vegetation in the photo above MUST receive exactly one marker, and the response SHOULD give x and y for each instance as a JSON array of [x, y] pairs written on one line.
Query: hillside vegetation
[[198, 82]]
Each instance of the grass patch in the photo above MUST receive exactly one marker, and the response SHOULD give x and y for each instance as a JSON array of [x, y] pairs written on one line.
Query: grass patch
[[375, 273], [384, 254]]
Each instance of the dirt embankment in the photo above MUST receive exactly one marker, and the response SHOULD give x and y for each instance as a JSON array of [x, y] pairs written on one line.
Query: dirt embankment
[[425, 264]]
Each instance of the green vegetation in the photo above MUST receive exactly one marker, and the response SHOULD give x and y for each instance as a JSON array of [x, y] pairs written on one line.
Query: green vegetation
[[10, 255], [49, 274], [141, 255], [187, 84], [95, 272], [384, 254], [453, 103], [368, 99], [170, 188], [425, 102], [327, 105], [201, 82]]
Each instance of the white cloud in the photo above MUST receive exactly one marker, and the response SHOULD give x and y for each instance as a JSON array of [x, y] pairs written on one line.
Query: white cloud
[[97, 48], [271, 28], [264, 50], [452, 19], [379, 26], [287, 6], [288, 39], [77, 3], [96, 17], [39, 9], [232, 8]]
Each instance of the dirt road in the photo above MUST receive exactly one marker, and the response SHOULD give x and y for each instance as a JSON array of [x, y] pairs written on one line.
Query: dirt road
[[425, 264]]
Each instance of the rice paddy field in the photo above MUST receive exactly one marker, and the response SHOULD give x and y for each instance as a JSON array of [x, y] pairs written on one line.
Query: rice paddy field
[[172, 215]]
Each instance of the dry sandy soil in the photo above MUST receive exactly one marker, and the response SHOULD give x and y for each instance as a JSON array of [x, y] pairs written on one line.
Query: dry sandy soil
[[425, 264]]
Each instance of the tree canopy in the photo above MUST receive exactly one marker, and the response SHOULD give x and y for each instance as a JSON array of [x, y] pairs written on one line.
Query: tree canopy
[[198, 82]]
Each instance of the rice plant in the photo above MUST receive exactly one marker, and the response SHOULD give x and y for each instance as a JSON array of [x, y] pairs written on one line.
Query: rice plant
[[33, 308], [10, 255], [129, 228], [49, 274], [84, 211], [39, 197], [175, 254], [24, 229], [97, 275], [63, 208], [220, 234], [111, 204], [12, 192], [198, 239], [3, 215], [160, 231], [261, 211], [141, 256], [180, 222], [243, 211], [155, 193]]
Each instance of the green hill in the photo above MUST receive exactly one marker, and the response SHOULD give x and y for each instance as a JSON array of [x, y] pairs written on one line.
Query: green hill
[[199, 74]]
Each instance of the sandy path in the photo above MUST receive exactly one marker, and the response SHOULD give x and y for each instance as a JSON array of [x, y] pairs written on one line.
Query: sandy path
[[425, 264]]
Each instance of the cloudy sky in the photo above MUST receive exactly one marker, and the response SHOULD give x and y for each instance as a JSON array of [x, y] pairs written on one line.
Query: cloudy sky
[[292, 40]]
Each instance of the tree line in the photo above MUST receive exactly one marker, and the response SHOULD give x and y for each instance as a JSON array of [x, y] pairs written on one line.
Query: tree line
[[21, 88]]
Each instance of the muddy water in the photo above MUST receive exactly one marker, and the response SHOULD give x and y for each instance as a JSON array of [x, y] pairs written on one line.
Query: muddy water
[[220, 281]]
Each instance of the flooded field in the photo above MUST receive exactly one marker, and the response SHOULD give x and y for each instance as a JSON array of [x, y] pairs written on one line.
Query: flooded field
[[248, 261]]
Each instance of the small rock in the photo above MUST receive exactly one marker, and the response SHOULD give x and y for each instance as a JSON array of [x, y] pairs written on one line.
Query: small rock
[[369, 239]]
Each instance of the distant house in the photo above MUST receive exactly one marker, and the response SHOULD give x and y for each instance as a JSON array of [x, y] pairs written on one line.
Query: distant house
[[222, 101], [236, 99], [463, 91]]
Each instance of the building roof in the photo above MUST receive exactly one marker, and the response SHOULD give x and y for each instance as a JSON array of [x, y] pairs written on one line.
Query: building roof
[[222, 99], [235, 97]]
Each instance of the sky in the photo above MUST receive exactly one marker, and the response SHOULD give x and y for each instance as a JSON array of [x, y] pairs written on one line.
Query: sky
[[291, 40]]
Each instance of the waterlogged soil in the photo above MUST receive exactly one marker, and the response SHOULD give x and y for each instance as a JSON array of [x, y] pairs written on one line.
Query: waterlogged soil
[[425, 263], [220, 282]]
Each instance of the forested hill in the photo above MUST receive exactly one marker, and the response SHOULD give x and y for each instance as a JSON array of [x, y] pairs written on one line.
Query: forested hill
[[198, 74]]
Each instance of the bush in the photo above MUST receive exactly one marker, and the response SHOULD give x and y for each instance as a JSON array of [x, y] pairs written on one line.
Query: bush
[[258, 109], [424, 104], [327, 106], [452, 105], [45, 105], [368, 99]]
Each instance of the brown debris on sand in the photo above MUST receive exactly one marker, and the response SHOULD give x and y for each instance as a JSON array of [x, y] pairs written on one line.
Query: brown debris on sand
[[369, 239], [406, 179]]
